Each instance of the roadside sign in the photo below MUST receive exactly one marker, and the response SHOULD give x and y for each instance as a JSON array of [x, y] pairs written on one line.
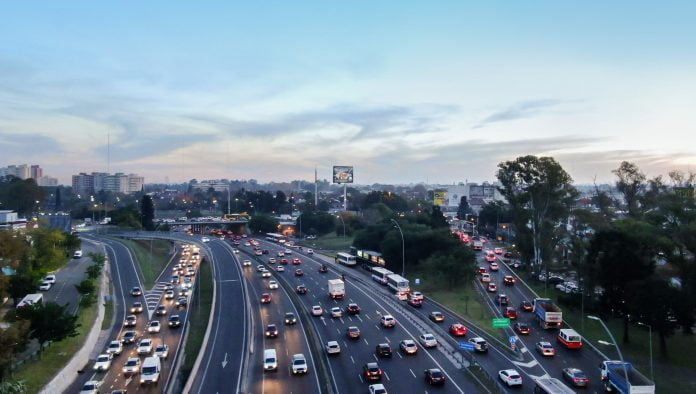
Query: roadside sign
[[466, 346], [501, 323], [513, 339], [417, 281]]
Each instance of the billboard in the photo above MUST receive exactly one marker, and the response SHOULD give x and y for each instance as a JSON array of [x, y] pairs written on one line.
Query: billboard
[[343, 174], [440, 198]]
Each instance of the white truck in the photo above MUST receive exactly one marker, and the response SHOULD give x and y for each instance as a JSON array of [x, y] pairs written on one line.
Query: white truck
[[337, 289]]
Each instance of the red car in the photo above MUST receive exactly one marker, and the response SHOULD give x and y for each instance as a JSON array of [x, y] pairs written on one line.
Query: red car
[[510, 313], [299, 273], [415, 302], [283, 261], [296, 261], [482, 270], [265, 298], [457, 329]]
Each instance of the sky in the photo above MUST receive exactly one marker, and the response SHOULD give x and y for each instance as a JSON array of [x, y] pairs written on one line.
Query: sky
[[405, 91]]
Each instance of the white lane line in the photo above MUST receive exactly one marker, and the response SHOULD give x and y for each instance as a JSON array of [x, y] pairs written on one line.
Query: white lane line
[[414, 375], [359, 318], [387, 339], [351, 358], [387, 375], [366, 342]]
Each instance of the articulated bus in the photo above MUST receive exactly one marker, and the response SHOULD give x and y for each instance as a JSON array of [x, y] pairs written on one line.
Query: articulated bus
[[399, 285], [380, 275], [345, 259], [367, 258], [274, 237]]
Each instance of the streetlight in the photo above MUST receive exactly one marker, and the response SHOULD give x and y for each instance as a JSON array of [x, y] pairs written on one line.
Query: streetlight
[[344, 224], [403, 247], [651, 351], [618, 350]]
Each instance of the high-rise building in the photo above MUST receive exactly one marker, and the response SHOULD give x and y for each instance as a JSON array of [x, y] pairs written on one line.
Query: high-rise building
[[24, 171], [36, 172], [84, 183]]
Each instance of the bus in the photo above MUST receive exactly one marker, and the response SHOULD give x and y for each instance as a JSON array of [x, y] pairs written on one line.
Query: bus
[[399, 285], [345, 259], [275, 237], [380, 275], [551, 386], [368, 258]]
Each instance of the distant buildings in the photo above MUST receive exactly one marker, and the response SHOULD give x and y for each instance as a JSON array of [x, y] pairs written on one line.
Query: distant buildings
[[25, 171], [95, 182], [10, 221]]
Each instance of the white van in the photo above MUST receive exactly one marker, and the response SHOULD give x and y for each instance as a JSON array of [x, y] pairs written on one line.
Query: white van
[[77, 254], [150, 371], [270, 360]]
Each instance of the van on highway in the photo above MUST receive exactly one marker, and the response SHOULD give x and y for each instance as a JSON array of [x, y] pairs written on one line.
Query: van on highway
[[150, 371], [77, 254], [270, 360]]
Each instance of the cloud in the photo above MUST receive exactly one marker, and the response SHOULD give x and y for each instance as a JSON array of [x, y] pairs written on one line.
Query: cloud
[[521, 110], [19, 146]]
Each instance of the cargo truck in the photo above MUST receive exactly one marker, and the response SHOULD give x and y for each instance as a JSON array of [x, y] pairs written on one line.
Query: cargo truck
[[547, 313], [337, 289], [614, 377]]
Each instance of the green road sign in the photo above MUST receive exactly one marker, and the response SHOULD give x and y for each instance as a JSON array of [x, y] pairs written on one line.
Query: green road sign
[[501, 323]]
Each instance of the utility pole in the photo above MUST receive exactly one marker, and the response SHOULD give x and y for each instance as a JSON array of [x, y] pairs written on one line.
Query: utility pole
[[316, 188]]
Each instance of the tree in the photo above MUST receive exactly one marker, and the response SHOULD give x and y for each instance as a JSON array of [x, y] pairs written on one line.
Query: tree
[[452, 269], [491, 214], [147, 213], [463, 208], [21, 284], [13, 387], [631, 184], [21, 195], [86, 287], [653, 301], [12, 341], [437, 219], [127, 216], [58, 202], [318, 223], [49, 321], [261, 224]]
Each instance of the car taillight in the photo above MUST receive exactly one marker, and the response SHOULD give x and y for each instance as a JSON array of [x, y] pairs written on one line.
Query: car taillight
[[380, 371]]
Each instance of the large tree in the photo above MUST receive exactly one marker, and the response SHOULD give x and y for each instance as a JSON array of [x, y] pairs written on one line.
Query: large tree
[[12, 341], [631, 184], [21, 195], [261, 224], [49, 321], [147, 212]]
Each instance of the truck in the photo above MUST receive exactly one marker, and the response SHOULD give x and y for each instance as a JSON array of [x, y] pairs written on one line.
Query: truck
[[337, 289], [614, 375], [547, 313]]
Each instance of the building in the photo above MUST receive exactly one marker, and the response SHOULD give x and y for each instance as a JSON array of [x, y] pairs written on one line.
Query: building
[[47, 181], [36, 171], [24, 171], [95, 182], [10, 221], [477, 195], [217, 185], [21, 171]]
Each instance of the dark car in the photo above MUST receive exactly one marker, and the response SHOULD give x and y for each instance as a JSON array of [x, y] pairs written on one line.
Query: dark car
[[130, 321], [299, 272], [434, 376], [161, 310], [502, 299], [522, 328], [353, 309], [290, 318], [323, 269], [575, 377], [372, 371], [301, 289], [526, 306], [136, 292], [129, 337], [271, 331], [174, 321], [383, 350], [353, 332], [415, 302], [181, 302], [265, 251], [436, 316]]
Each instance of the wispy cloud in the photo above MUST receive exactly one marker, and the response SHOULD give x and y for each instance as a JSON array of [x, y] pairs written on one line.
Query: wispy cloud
[[521, 110]]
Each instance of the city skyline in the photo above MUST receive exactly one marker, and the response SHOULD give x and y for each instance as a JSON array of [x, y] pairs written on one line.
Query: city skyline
[[405, 93]]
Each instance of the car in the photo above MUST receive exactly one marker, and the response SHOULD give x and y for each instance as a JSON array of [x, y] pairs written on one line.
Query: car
[[236, 251], [492, 288], [427, 340], [436, 316], [280, 268], [310, 251], [458, 330], [522, 328], [353, 332], [383, 350], [266, 298], [408, 346], [510, 377], [77, 254], [261, 268], [135, 291], [490, 257], [174, 279], [50, 279], [169, 295], [526, 306], [417, 295], [480, 344], [576, 377], [246, 263], [284, 261], [129, 337], [205, 239], [162, 350], [296, 261], [103, 362], [161, 310], [482, 270], [372, 371], [415, 302], [353, 309], [137, 307], [114, 347], [265, 251], [498, 250], [258, 253], [323, 269], [290, 318], [301, 289], [510, 313], [45, 286], [494, 267], [434, 376], [266, 274], [317, 310], [485, 278], [174, 321], [298, 272], [502, 299], [287, 251], [184, 292], [509, 280], [388, 321], [272, 284], [153, 326], [181, 302], [131, 366], [332, 347], [336, 312], [545, 349], [299, 364], [377, 389], [91, 386], [271, 331], [145, 346], [281, 254]]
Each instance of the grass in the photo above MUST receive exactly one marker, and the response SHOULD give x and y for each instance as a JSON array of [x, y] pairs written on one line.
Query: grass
[[198, 317], [150, 267], [330, 242], [39, 372]]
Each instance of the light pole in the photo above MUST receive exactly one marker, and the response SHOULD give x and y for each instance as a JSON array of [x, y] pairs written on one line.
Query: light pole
[[403, 248], [344, 224], [623, 363], [651, 351], [228, 200]]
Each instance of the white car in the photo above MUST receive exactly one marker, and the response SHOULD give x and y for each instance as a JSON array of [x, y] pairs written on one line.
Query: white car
[[91, 387], [332, 347], [377, 389], [45, 286], [280, 268], [103, 362], [132, 365], [205, 239], [154, 326], [235, 251], [299, 364], [162, 350], [115, 347], [145, 346], [288, 251], [510, 377], [417, 295], [310, 251], [50, 279], [272, 284], [169, 294], [427, 340], [317, 311], [408, 346], [336, 312], [246, 263], [266, 274], [260, 268], [388, 321]]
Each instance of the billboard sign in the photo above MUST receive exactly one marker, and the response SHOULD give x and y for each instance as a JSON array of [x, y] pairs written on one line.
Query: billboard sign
[[343, 174], [440, 198]]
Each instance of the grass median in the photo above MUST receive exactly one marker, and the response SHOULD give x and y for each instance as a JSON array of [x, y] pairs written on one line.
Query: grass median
[[330, 242], [151, 264], [198, 318]]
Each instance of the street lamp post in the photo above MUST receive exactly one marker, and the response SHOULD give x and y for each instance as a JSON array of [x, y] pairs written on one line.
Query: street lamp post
[[618, 350], [228, 200], [403, 248], [651, 349], [344, 224]]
